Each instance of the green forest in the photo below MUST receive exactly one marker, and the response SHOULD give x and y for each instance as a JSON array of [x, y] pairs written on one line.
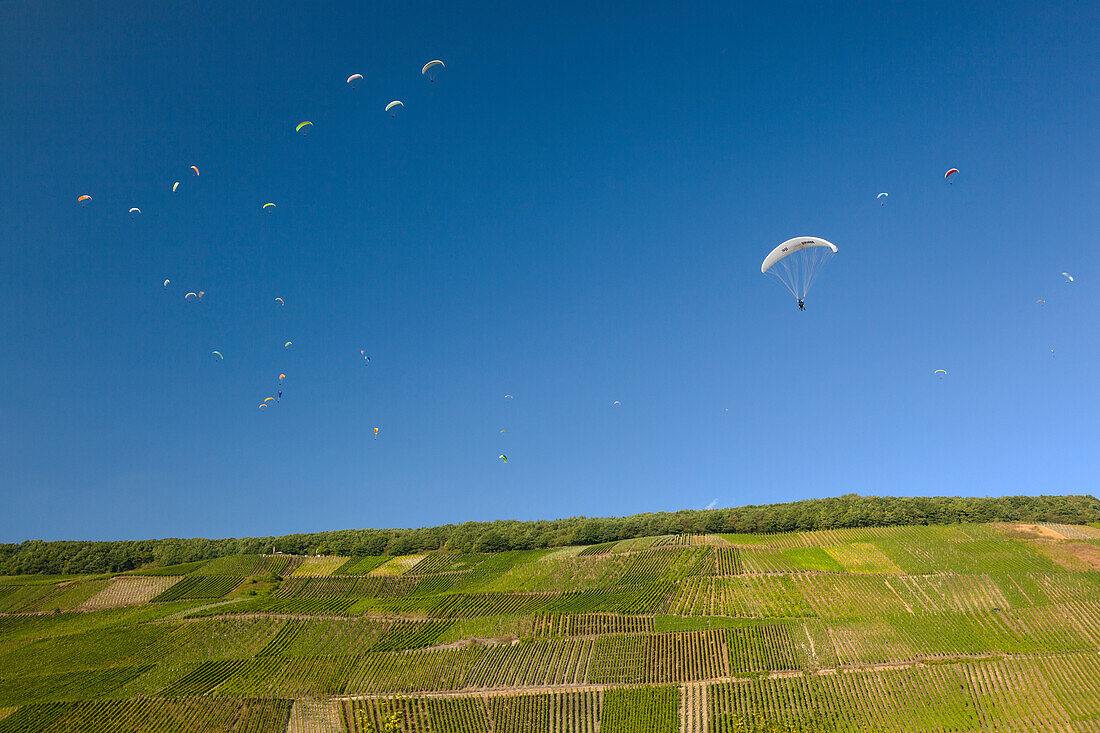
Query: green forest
[[849, 511]]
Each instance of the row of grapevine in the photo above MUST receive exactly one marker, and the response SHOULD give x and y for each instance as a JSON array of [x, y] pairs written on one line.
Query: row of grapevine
[[74, 685], [151, 716], [589, 624], [310, 715], [198, 587], [360, 565], [641, 710], [727, 561], [526, 663], [128, 591], [764, 647], [342, 587], [659, 658], [317, 566], [558, 712], [600, 549]]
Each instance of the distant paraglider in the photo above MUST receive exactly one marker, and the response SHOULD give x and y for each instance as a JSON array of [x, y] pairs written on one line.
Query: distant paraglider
[[288, 344], [134, 212], [1068, 277], [167, 283], [1040, 302], [354, 79], [881, 198], [175, 186], [941, 373], [268, 204], [392, 107], [191, 296], [796, 262], [83, 200], [948, 174], [304, 127], [217, 355], [432, 68], [376, 434], [280, 302], [508, 397], [502, 458], [195, 170], [366, 359], [616, 403], [281, 378]]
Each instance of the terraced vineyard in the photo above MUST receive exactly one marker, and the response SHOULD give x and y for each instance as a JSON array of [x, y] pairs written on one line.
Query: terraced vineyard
[[941, 628]]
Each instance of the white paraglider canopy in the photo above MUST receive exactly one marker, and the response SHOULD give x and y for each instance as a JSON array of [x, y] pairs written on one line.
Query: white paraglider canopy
[[797, 261]]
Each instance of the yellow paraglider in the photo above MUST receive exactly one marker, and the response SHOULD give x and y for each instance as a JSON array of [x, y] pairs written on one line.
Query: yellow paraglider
[[288, 344], [376, 433], [303, 127], [432, 66], [269, 204], [392, 107]]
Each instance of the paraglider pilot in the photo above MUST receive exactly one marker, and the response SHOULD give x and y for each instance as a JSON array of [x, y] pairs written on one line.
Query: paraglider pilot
[[801, 304]]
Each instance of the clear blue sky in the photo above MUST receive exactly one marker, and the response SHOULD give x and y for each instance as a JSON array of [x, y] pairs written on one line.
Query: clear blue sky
[[574, 213]]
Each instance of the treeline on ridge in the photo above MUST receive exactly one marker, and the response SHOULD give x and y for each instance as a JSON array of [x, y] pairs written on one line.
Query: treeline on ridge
[[78, 557]]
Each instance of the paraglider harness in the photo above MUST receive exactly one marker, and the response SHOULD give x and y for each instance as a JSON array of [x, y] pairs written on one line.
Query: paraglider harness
[[801, 304]]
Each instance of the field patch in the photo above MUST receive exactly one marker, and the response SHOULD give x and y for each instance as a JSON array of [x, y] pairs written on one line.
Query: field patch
[[361, 565], [641, 710], [199, 587], [319, 566], [129, 590], [397, 565], [309, 715], [862, 557], [789, 560], [1072, 555]]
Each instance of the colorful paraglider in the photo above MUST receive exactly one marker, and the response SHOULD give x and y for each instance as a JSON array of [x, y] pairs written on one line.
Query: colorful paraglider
[[201, 293], [1040, 302], [948, 174], [191, 296], [281, 378], [83, 200], [796, 262], [263, 405], [366, 359], [268, 400], [882, 198], [217, 355], [376, 434], [288, 344], [280, 302], [354, 79], [175, 186], [432, 68], [508, 397], [304, 127], [195, 170], [392, 107], [503, 458]]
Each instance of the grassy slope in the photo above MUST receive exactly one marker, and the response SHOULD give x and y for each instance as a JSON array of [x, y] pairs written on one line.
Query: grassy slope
[[919, 628]]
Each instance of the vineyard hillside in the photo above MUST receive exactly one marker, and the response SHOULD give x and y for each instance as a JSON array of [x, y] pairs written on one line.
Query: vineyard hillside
[[958, 627]]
